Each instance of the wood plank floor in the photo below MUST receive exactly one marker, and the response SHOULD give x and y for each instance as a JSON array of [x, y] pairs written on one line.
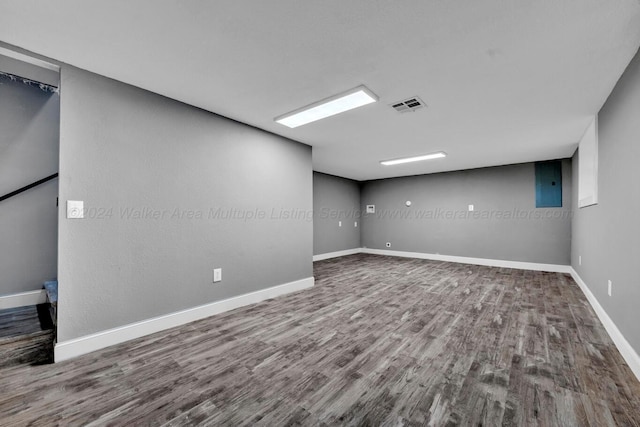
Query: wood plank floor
[[377, 341], [23, 339], [19, 321]]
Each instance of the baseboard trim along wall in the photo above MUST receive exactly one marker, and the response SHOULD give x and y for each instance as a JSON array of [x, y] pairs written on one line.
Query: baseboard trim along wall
[[83, 345], [519, 265], [628, 353], [22, 299], [336, 254]]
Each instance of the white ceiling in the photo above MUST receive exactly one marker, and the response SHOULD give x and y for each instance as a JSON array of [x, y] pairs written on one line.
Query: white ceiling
[[506, 81]]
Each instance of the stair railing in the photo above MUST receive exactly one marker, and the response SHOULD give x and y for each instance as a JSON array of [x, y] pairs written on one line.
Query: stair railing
[[28, 187]]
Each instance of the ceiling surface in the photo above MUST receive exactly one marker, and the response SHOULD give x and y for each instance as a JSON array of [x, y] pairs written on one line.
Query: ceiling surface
[[505, 81]]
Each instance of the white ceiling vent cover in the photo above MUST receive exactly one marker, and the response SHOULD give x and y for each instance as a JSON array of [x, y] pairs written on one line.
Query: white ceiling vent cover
[[410, 104]]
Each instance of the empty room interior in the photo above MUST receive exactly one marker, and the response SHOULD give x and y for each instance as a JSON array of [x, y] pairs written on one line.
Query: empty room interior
[[320, 213]]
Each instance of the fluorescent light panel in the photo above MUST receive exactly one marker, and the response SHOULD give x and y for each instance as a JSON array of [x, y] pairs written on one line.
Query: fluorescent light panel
[[437, 155], [354, 98]]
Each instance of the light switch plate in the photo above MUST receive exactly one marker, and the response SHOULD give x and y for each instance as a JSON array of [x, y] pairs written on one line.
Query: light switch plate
[[470, 208], [75, 209], [371, 208]]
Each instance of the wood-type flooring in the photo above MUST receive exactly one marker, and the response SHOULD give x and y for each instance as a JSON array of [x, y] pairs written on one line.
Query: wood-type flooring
[[24, 337], [377, 341]]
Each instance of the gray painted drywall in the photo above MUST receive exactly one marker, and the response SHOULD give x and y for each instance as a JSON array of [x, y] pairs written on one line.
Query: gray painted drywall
[[505, 224], [127, 153], [335, 200], [29, 71], [29, 123], [607, 235]]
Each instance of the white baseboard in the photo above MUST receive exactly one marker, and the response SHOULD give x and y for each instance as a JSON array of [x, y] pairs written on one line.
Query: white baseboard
[[519, 265], [336, 254], [22, 299], [628, 353], [79, 346]]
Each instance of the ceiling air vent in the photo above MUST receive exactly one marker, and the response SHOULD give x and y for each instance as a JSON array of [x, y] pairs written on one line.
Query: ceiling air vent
[[411, 104]]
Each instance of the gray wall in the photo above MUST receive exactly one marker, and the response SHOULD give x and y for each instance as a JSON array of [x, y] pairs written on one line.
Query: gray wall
[[607, 235], [505, 224], [29, 120], [128, 153], [335, 200], [29, 71]]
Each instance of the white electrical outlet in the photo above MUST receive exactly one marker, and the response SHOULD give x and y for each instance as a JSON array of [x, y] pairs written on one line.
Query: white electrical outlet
[[339, 223], [579, 259], [75, 209], [355, 224], [217, 275], [470, 208], [388, 244], [609, 287]]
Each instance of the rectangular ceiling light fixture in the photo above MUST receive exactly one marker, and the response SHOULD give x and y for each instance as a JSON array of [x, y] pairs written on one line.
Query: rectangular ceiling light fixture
[[437, 155], [354, 98]]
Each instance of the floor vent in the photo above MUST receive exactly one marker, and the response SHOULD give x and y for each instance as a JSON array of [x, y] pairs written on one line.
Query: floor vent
[[410, 104]]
